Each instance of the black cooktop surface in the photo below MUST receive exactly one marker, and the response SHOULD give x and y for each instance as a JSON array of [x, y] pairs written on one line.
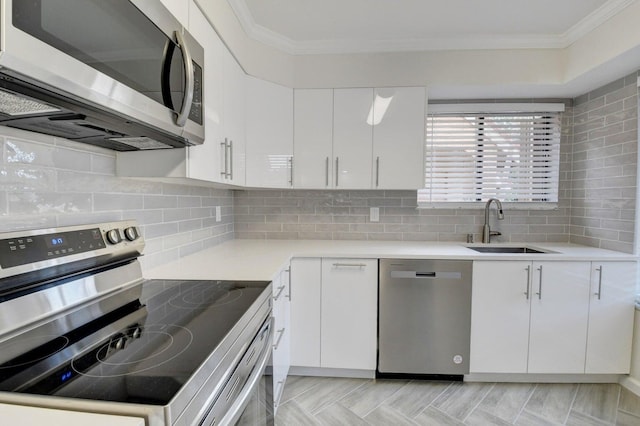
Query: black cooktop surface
[[142, 352]]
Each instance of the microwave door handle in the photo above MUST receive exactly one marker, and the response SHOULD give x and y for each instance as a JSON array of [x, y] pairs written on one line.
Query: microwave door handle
[[165, 76], [183, 115]]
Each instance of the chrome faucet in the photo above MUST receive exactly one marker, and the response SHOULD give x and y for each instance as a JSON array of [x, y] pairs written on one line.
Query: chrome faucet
[[487, 233]]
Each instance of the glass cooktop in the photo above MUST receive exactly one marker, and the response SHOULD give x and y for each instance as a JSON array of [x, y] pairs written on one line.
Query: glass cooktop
[[142, 352]]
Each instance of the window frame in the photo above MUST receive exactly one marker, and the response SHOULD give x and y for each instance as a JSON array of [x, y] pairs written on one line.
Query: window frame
[[478, 109]]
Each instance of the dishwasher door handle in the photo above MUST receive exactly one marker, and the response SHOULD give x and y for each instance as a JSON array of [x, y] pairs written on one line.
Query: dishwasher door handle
[[426, 275]]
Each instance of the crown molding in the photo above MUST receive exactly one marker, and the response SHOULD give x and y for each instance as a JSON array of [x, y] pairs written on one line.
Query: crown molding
[[477, 42]]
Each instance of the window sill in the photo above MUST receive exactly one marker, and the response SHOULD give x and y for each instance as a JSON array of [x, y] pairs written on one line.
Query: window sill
[[481, 205]]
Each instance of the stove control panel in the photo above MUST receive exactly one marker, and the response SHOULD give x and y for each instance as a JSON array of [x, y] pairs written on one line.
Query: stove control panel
[[32, 247]]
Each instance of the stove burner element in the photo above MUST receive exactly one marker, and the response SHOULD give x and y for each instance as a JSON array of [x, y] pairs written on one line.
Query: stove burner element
[[54, 345], [167, 341], [206, 296]]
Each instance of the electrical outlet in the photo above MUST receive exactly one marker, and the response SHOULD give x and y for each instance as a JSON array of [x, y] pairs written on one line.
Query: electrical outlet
[[218, 214], [374, 214]]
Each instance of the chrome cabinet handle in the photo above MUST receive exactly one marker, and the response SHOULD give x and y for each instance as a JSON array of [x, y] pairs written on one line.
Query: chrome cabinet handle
[[230, 159], [539, 293], [277, 344], [349, 265], [183, 115], [291, 170], [526, 293], [277, 296], [599, 293], [224, 173], [326, 172], [377, 171], [337, 162]]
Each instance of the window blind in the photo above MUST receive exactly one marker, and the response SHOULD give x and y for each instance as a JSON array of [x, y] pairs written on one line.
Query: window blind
[[471, 157]]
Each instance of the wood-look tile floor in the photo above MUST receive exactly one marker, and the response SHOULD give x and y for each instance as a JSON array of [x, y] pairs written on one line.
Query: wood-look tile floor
[[339, 401]]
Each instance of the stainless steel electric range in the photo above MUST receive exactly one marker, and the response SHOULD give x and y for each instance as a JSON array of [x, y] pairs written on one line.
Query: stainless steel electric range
[[80, 329]]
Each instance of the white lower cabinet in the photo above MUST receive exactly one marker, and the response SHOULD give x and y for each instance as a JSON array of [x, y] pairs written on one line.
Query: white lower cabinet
[[281, 357], [499, 317], [559, 317], [349, 313], [306, 290], [546, 318], [611, 312], [334, 313]]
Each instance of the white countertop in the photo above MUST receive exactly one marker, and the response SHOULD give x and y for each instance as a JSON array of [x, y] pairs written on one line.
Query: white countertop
[[34, 416], [257, 260]]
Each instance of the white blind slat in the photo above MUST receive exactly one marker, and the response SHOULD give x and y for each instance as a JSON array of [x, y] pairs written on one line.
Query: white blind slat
[[476, 156]]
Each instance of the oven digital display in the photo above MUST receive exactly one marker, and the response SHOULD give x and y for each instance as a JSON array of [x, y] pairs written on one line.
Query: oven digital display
[[55, 241]]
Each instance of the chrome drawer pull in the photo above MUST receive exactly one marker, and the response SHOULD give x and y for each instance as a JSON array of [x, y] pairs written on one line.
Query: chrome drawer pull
[[349, 265], [277, 296], [281, 331]]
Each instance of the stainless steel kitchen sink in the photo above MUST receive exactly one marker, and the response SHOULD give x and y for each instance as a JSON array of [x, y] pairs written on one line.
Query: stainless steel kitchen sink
[[506, 249]]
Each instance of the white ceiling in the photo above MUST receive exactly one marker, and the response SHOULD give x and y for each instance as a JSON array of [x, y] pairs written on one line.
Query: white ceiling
[[344, 26]]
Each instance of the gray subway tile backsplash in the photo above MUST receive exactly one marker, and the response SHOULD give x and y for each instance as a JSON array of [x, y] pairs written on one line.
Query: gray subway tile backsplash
[[47, 182]]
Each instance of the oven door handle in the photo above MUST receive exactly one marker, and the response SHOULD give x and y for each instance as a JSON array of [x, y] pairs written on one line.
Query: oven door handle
[[238, 406]]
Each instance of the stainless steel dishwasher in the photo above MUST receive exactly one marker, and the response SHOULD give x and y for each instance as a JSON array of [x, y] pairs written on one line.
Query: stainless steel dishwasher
[[424, 317]]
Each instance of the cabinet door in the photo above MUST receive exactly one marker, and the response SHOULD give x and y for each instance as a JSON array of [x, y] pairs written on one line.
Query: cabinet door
[[204, 160], [500, 317], [559, 316], [282, 336], [352, 138], [269, 138], [399, 138], [611, 313], [180, 9], [313, 138], [234, 86], [305, 312], [349, 313]]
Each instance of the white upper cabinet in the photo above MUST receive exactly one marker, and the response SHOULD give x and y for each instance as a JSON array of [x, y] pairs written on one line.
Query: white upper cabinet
[[269, 134], [313, 138], [359, 138], [180, 9], [399, 138], [204, 161], [352, 138], [232, 144]]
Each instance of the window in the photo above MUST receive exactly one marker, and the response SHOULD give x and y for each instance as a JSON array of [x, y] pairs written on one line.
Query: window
[[474, 156]]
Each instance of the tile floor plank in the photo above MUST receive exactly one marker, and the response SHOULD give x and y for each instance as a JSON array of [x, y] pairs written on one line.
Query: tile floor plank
[[385, 416], [506, 400], [326, 392], [370, 395], [598, 400], [432, 416], [460, 399], [338, 415], [552, 401], [292, 414], [415, 396], [577, 418]]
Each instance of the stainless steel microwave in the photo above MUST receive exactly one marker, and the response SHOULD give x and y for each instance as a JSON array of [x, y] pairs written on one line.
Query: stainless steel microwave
[[120, 74]]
